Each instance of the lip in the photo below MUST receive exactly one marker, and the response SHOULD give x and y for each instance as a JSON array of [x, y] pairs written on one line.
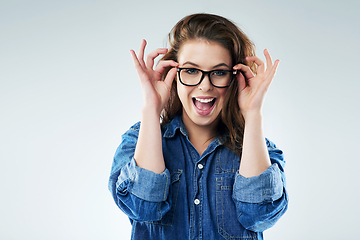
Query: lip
[[204, 112]]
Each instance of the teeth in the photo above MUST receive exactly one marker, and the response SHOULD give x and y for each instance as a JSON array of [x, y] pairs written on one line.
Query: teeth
[[206, 100]]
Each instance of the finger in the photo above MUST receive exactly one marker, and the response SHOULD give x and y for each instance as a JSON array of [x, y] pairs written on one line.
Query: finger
[[164, 64], [258, 62], [270, 76], [269, 62], [170, 77], [141, 53], [273, 71], [151, 57], [135, 59], [245, 70], [242, 82]]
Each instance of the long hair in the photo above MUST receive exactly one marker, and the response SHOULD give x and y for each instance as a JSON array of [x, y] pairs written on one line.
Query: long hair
[[217, 29]]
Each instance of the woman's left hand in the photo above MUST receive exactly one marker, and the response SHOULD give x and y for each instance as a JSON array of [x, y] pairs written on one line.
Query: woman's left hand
[[252, 95]]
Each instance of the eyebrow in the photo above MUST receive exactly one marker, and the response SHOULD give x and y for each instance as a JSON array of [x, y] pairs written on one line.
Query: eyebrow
[[216, 66]]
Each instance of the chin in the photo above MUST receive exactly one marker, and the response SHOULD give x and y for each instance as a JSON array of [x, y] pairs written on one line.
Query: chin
[[204, 120]]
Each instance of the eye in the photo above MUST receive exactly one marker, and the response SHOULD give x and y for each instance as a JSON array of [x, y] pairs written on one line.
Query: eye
[[191, 71], [219, 73]]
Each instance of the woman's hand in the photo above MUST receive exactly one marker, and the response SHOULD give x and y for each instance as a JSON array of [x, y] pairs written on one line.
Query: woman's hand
[[252, 95], [155, 92]]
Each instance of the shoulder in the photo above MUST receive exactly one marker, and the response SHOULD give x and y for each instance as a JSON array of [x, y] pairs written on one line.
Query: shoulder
[[276, 154], [126, 149], [135, 127], [270, 144], [133, 131]]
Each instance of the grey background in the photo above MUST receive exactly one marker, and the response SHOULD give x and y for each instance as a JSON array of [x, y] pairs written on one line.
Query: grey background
[[68, 90]]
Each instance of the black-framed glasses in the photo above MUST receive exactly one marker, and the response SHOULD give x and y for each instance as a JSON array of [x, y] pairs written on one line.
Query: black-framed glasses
[[219, 78]]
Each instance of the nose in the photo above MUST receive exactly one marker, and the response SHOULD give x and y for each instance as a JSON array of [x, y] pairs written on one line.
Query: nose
[[205, 84]]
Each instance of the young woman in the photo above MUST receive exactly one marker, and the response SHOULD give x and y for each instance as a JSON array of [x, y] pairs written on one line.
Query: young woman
[[207, 171]]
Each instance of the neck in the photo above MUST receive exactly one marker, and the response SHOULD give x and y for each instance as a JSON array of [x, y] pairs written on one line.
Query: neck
[[200, 136]]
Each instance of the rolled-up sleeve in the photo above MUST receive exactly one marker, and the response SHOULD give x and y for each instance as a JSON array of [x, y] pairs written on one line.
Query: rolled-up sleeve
[[143, 183], [266, 187], [262, 200], [141, 194]]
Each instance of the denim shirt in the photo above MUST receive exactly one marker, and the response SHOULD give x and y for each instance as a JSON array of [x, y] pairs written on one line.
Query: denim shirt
[[197, 196]]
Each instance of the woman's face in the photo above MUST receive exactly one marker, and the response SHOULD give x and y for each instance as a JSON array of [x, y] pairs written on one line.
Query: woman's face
[[202, 103]]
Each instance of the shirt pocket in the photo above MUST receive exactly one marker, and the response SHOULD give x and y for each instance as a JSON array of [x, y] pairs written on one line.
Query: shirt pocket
[[168, 218], [227, 220]]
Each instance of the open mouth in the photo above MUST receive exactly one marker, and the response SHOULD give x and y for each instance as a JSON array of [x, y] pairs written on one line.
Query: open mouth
[[204, 105]]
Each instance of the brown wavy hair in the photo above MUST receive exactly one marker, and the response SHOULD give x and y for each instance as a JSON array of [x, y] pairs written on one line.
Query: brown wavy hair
[[212, 28]]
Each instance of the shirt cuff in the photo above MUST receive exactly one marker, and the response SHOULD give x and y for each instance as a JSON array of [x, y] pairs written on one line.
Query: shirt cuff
[[266, 187], [144, 184]]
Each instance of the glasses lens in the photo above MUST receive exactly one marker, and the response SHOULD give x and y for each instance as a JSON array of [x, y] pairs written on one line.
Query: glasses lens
[[220, 78], [190, 76]]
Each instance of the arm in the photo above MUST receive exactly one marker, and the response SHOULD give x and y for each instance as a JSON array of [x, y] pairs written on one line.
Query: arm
[[139, 181], [259, 189], [255, 158], [261, 200], [141, 194], [148, 152]]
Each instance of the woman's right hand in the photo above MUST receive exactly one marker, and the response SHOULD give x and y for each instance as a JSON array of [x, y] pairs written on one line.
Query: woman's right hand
[[156, 92]]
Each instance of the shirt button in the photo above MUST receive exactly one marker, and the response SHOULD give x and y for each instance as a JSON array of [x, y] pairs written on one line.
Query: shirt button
[[200, 166], [196, 201]]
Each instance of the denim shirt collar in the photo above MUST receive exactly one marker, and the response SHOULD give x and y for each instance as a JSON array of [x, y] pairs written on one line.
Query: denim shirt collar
[[171, 128]]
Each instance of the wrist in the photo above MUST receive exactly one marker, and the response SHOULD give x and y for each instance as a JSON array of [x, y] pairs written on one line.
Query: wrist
[[252, 115], [150, 110]]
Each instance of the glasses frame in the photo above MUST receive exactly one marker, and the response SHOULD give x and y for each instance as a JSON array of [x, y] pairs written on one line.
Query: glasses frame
[[233, 72]]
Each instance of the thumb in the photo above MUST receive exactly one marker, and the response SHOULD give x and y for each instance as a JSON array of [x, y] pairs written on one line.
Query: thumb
[[170, 76], [242, 82]]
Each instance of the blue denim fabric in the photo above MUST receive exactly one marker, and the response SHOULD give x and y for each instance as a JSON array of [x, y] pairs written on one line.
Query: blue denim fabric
[[196, 197]]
